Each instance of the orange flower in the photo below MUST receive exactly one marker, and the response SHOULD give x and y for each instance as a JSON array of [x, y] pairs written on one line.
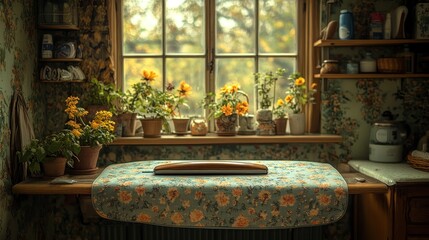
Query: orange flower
[[287, 200], [299, 81], [144, 218], [313, 85], [176, 218], [149, 75], [264, 196], [288, 98], [227, 110], [242, 108], [324, 199], [124, 197], [241, 221], [222, 199], [196, 215], [172, 194], [184, 89]]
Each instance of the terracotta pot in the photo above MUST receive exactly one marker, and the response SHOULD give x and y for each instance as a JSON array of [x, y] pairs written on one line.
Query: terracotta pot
[[280, 126], [181, 126], [54, 167], [226, 125], [151, 127], [297, 123], [87, 158]]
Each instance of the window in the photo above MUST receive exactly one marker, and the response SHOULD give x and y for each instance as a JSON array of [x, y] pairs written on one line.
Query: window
[[208, 43]]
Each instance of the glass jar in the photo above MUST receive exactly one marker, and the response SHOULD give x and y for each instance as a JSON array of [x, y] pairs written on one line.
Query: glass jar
[[330, 66], [368, 64], [198, 126]]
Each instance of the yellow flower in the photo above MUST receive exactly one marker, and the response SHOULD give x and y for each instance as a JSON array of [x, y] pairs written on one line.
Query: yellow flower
[[149, 75], [299, 81], [234, 88], [313, 85], [184, 89], [280, 102], [288, 98], [76, 132], [227, 110]]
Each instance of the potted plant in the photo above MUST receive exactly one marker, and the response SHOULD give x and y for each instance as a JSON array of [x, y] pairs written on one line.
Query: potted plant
[[226, 107], [151, 104], [297, 96], [266, 85], [176, 100], [280, 119], [90, 134], [52, 152]]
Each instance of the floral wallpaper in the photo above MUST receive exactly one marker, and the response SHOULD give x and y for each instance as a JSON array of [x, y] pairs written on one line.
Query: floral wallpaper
[[349, 108]]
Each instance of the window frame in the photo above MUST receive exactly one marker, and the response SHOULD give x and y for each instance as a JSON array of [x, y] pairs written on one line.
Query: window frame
[[306, 26]]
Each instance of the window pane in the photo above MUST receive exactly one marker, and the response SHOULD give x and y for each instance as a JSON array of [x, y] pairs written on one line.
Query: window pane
[[277, 26], [235, 26], [133, 68], [272, 64], [190, 70], [237, 70], [185, 26], [142, 33]]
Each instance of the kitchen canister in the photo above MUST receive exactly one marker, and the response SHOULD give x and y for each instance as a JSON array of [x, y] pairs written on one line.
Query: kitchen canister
[[330, 66], [47, 46], [368, 64], [346, 25]]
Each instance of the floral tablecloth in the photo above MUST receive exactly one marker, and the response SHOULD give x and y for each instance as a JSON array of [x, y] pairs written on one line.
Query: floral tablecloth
[[292, 194]]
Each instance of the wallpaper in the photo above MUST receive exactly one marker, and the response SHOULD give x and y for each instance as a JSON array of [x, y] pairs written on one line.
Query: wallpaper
[[349, 108]]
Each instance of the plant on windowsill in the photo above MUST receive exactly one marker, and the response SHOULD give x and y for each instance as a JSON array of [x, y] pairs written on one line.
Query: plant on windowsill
[[226, 107], [266, 85], [176, 100], [102, 96], [53, 152], [151, 104], [280, 119], [297, 96], [91, 134]]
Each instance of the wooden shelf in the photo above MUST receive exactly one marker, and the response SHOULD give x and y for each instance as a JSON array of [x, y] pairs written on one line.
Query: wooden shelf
[[367, 42], [373, 75], [58, 27], [239, 139], [71, 81], [61, 60]]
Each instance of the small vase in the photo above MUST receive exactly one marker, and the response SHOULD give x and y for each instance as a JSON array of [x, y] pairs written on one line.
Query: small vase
[[54, 167], [86, 162], [181, 126], [226, 125], [198, 126], [297, 123], [128, 121], [280, 126], [151, 127]]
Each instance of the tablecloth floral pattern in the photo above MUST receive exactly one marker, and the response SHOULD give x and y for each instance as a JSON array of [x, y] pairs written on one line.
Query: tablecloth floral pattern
[[292, 194]]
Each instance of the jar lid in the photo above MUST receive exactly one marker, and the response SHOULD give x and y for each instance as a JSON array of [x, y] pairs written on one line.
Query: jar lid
[[344, 11], [330, 61]]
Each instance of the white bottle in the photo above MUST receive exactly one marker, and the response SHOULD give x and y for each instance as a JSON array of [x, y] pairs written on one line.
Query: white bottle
[[388, 27]]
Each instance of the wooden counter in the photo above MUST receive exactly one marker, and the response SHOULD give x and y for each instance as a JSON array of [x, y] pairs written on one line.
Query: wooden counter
[[83, 185]]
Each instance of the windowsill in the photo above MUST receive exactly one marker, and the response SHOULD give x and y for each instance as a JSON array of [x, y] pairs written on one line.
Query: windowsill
[[238, 139]]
